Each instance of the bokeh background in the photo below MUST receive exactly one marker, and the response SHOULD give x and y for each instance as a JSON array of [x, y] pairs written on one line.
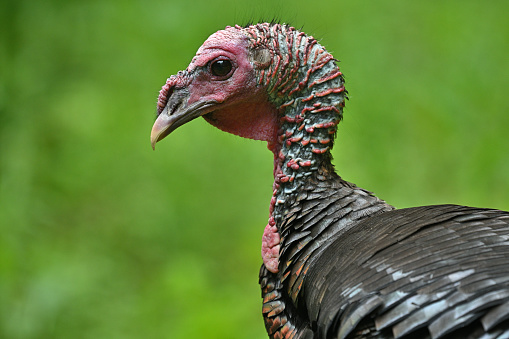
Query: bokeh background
[[101, 237]]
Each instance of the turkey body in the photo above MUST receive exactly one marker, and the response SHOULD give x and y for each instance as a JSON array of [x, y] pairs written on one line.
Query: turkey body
[[424, 272], [338, 262]]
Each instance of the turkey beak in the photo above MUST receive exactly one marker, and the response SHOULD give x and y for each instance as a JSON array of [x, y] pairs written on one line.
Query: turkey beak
[[162, 127], [176, 113]]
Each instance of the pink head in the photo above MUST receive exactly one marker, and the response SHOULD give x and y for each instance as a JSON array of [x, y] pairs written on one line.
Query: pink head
[[265, 82], [219, 84]]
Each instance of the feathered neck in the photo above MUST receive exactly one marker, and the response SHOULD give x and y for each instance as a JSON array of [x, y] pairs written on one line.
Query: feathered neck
[[306, 86]]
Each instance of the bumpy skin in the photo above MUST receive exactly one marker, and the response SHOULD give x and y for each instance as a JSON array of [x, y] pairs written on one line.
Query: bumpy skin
[[338, 261]]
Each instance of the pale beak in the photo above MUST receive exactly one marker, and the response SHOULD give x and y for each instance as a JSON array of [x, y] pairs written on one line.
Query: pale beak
[[162, 127], [176, 113]]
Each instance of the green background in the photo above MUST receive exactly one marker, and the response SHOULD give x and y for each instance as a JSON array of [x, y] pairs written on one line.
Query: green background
[[101, 237]]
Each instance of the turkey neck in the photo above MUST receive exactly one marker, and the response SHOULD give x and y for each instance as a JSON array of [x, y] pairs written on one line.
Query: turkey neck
[[306, 88], [304, 177]]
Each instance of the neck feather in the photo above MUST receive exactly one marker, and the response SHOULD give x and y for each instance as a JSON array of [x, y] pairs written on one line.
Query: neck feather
[[306, 86]]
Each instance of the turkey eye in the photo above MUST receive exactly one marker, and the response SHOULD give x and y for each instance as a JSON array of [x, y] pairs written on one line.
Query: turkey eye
[[221, 68]]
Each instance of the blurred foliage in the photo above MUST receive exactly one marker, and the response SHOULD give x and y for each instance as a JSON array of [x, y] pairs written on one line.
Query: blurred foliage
[[103, 238]]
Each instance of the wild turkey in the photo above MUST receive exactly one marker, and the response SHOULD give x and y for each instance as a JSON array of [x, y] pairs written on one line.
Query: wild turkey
[[338, 261]]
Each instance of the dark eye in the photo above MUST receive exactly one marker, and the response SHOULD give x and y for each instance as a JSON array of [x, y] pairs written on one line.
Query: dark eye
[[220, 67]]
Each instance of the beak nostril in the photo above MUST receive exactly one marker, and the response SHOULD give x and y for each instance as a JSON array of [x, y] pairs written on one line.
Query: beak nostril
[[178, 100], [175, 107]]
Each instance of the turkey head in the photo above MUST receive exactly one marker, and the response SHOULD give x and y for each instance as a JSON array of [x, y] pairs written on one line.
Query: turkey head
[[221, 85]]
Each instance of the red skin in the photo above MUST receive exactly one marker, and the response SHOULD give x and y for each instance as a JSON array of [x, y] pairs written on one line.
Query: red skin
[[270, 248]]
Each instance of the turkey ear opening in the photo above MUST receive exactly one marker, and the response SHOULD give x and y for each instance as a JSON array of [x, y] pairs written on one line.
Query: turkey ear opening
[[176, 113], [261, 57]]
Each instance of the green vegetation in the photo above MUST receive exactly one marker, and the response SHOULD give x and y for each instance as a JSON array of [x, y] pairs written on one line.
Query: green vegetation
[[101, 237]]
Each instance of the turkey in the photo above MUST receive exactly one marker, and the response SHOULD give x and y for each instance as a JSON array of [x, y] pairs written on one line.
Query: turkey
[[338, 262]]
